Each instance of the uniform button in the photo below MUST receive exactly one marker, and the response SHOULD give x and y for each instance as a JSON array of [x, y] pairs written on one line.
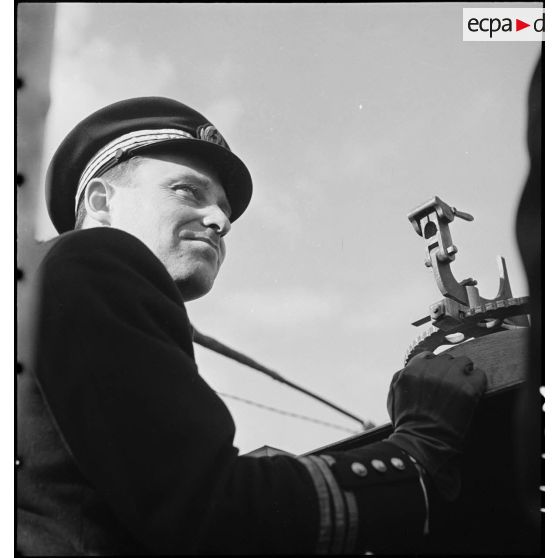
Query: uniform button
[[118, 154], [397, 463], [17, 462], [359, 469], [379, 465], [413, 459]]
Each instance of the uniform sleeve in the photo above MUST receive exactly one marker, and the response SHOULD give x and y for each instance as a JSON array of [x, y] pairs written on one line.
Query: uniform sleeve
[[115, 364], [382, 502]]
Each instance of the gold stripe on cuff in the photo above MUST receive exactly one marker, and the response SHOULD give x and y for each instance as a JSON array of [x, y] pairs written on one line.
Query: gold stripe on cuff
[[352, 527], [352, 514], [339, 511], [325, 531]]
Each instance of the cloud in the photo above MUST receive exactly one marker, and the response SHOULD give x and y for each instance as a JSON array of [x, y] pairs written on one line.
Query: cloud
[[283, 307], [72, 21], [88, 72], [228, 71], [226, 113], [96, 74]]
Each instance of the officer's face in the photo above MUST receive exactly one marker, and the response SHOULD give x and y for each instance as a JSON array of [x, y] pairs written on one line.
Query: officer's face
[[177, 206]]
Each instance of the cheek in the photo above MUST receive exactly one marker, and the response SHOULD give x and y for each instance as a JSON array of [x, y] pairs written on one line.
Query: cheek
[[125, 208], [141, 218]]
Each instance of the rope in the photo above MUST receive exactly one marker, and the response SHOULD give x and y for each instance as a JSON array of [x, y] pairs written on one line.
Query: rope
[[286, 413], [222, 349]]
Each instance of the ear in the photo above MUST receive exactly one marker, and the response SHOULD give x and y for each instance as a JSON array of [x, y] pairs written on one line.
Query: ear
[[97, 198]]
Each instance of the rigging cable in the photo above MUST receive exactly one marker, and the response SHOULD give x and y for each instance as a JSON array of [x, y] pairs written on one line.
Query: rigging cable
[[286, 413], [218, 347]]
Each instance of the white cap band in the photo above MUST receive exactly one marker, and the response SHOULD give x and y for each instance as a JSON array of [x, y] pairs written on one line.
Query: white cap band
[[111, 153]]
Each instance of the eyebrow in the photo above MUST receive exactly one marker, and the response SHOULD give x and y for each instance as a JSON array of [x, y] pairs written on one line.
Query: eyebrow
[[223, 202]]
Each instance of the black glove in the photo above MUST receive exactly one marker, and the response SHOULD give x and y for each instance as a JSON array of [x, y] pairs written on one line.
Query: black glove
[[431, 404]]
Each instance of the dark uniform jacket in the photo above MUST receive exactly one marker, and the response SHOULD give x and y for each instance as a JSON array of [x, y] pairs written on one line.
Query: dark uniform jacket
[[124, 448]]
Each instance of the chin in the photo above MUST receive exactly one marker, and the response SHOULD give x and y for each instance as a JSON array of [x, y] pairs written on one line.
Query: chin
[[193, 287]]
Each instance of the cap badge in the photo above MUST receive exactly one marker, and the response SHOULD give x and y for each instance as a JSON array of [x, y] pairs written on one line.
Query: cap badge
[[208, 132]]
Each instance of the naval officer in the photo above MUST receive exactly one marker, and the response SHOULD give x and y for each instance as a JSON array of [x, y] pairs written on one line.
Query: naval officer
[[122, 446]]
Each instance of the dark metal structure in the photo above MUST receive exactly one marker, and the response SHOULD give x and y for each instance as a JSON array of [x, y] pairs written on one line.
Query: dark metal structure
[[491, 515]]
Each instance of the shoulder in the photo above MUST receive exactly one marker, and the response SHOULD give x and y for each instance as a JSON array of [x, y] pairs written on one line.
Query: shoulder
[[82, 256], [98, 242]]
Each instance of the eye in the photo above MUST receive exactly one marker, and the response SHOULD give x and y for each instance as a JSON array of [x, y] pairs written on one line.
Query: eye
[[188, 190]]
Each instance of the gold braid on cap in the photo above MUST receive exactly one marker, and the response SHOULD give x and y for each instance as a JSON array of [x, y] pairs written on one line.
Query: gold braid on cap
[[114, 152]]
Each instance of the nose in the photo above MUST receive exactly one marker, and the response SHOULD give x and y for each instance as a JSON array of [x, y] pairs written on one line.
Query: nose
[[215, 218]]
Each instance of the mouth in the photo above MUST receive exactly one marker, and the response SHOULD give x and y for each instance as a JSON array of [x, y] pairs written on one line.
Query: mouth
[[186, 235], [208, 241]]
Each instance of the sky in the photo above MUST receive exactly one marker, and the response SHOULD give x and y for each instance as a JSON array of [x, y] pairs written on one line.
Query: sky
[[348, 117]]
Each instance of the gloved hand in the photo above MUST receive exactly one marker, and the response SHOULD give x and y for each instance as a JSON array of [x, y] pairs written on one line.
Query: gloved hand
[[431, 404]]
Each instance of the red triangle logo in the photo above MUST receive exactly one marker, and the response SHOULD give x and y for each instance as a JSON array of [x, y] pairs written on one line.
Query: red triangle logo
[[519, 25]]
